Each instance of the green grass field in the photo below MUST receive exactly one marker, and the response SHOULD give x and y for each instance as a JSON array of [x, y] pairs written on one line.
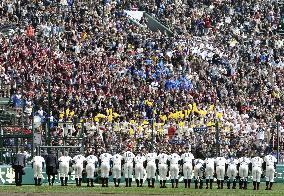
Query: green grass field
[[278, 189]]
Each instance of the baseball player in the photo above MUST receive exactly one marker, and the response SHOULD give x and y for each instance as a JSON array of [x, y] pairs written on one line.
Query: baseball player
[[174, 168], [78, 167], [163, 169], [64, 163], [92, 160], [139, 169], [232, 171], [220, 171], [38, 163], [209, 170], [105, 160], [198, 173], [256, 171], [270, 164], [243, 172], [128, 157], [116, 169], [151, 168], [187, 161]]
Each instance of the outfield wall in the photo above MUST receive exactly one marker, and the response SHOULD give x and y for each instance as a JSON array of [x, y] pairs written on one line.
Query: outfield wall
[[7, 176]]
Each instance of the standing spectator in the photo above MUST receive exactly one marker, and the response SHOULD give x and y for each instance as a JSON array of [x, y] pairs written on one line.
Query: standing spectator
[[18, 165], [51, 167]]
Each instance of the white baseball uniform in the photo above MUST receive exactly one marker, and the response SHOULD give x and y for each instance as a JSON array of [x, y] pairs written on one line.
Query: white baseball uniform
[[105, 164], [139, 169], [151, 165], [209, 170], [78, 166], [37, 166], [128, 166], [116, 168], [232, 168], [243, 170], [174, 167], [187, 164], [198, 172], [220, 167], [270, 170], [64, 162], [91, 166], [256, 168], [163, 167]]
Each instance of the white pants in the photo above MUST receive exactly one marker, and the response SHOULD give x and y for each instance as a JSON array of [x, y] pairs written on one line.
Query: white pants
[[220, 171], [163, 170], [197, 171], [151, 170], [78, 167], [187, 171], [232, 172], [64, 169], [270, 173], [243, 171], [128, 170], [116, 171], [174, 170], [105, 170], [37, 169], [209, 172], [90, 169], [139, 171], [256, 174]]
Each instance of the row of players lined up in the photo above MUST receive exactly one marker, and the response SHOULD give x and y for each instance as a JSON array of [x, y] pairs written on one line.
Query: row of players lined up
[[227, 168]]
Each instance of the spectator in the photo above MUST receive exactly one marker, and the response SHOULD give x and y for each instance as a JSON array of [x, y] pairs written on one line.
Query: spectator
[[223, 67]]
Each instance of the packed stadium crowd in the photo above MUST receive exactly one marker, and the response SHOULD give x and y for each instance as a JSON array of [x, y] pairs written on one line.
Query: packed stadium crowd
[[220, 71]]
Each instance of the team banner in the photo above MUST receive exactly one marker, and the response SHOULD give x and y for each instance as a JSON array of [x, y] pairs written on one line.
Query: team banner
[[200, 130], [177, 142]]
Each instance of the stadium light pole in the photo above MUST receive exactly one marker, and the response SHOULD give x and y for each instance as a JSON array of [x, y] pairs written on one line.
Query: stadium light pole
[[217, 136], [49, 94], [103, 1], [33, 132], [150, 117], [22, 104], [48, 110], [278, 142], [48, 136], [278, 118], [152, 146]]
